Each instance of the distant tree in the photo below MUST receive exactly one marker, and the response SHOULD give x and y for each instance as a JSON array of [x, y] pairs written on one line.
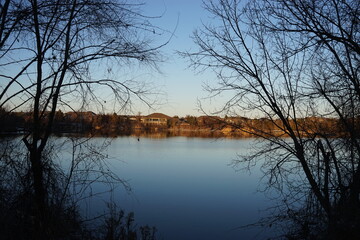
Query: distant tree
[[50, 52], [287, 61], [191, 120], [10, 122]]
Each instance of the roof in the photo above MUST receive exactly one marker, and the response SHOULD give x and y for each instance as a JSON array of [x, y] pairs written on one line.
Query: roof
[[158, 115]]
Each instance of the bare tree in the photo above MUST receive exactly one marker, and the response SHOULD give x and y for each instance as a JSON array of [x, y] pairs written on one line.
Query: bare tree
[[295, 63], [50, 57]]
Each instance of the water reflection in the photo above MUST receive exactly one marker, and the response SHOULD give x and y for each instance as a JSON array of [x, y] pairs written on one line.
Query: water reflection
[[161, 134], [185, 186]]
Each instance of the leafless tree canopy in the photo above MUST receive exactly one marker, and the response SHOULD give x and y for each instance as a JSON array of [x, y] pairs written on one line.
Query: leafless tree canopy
[[65, 41], [294, 62]]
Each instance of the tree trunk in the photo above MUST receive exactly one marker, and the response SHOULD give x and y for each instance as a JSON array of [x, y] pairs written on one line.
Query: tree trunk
[[39, 194]]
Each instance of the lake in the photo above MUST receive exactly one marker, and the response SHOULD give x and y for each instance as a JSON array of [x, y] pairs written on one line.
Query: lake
[[186, 187]]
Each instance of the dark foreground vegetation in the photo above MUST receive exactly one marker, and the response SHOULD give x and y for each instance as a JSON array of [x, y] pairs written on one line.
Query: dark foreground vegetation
[[65, 221]]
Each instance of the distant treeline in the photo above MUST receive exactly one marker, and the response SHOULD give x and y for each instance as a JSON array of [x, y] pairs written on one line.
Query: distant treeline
[[207, 126]]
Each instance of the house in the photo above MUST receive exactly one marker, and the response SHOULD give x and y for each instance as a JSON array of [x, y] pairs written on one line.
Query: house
[[155, 119], [209, 121], [235, 120], [88, 116]]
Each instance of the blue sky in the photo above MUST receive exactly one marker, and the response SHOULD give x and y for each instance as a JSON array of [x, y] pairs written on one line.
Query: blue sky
[[181, 85]]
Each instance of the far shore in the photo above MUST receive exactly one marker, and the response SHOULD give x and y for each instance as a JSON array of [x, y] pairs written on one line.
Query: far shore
[[158, 125]]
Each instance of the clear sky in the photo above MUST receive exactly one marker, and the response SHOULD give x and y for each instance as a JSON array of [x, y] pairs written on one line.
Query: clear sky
[[181, 85]]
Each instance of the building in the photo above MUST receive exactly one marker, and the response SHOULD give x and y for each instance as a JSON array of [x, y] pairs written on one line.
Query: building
[[155, 119]]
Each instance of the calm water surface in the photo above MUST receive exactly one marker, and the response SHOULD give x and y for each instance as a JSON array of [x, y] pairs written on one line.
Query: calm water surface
[[186, 187]]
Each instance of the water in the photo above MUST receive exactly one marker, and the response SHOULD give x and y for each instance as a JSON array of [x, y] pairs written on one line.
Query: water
[[186, 187]]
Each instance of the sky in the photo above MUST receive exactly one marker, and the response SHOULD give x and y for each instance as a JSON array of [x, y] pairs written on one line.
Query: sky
[[181, 85]]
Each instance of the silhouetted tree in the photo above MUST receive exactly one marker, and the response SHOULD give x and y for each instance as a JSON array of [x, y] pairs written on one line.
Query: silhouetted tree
[[50, 55], [287, 61]]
